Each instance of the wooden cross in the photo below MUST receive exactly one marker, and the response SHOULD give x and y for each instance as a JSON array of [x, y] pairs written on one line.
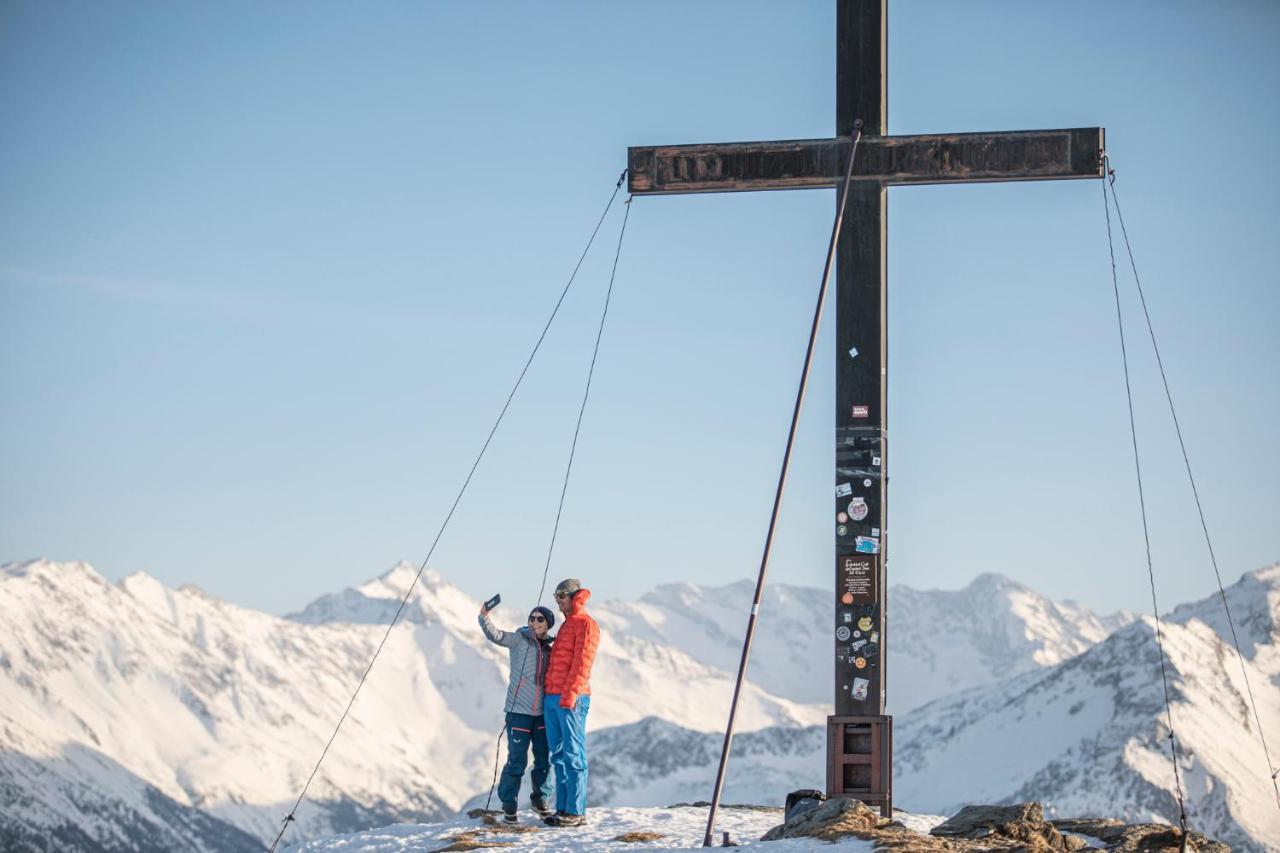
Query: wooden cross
[[859, 739]]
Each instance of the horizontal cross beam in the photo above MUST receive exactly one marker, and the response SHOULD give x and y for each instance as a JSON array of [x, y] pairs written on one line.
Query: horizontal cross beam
[[941, 158]]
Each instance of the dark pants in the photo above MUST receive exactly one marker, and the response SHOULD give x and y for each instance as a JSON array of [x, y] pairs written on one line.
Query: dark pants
[[524, 730]]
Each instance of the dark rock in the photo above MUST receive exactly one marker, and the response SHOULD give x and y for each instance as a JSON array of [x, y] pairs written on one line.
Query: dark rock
[[973, 818], [1153, 837], [1103, 829], [1021, 823], [836, 818]]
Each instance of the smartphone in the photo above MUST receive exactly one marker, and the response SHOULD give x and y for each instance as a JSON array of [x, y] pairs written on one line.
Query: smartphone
[[493, 602]]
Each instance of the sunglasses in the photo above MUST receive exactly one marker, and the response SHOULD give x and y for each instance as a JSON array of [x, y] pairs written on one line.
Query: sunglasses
[[561, 595], [537, 619]]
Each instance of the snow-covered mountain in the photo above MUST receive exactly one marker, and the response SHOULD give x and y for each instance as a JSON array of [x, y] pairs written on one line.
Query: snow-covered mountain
[[1089, 736], [942, 640], [634, 676], [128, 708], [135, 711], [161, 702], [1085, 737]]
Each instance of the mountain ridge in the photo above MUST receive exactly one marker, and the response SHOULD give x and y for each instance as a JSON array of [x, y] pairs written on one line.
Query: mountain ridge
[[219, 709]]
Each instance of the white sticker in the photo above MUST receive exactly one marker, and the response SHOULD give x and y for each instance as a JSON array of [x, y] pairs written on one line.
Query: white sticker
[[853, 352], [866, 483], [844, 490], [858, 509], [860, 686], [875, 531], [875, 460]]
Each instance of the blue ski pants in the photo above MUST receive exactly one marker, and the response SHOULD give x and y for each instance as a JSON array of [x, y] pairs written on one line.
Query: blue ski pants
[[567, 737], [524, 731]]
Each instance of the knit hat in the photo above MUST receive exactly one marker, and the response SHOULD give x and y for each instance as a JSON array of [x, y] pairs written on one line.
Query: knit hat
[[546, 614], [568, 586]]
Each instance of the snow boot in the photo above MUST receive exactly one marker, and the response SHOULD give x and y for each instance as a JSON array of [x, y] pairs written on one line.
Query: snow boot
[[509, 814], [564, 819], [540, 806]]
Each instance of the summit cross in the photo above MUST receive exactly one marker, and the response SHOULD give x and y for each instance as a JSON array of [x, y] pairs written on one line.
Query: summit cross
[[859, 735]]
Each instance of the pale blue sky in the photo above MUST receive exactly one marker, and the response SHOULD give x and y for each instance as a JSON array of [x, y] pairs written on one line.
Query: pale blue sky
[[268, 270]]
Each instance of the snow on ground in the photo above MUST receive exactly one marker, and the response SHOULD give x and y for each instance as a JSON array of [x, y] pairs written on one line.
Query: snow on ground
[[680, 829]]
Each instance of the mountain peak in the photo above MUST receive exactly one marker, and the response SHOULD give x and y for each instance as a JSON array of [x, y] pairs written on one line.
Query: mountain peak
[[989, 582], [43, 566], [395, 582]]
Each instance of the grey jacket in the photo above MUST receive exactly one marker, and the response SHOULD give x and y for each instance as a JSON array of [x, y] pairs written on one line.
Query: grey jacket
[[528, 666]]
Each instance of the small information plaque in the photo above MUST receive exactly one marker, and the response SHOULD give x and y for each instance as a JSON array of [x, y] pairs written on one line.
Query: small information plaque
[[857, 575]]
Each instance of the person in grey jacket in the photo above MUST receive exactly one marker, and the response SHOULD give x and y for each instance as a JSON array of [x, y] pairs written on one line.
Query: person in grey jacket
[[530, 647]]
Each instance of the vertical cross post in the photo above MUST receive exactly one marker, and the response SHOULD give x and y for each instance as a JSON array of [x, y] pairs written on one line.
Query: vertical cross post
[[859, 729]]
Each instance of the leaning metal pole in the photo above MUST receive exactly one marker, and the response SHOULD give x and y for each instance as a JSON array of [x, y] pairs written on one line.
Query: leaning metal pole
[[782, 483]]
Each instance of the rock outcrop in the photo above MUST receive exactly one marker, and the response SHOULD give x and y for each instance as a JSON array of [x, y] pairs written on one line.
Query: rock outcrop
[[1020, 826]]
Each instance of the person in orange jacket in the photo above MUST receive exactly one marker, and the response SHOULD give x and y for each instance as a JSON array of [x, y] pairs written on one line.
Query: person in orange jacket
[[567, 692]]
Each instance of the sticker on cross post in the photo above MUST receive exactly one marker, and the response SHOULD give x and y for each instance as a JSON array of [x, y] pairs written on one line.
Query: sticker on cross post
[[856, 578], [844, 490], [860, 412], [858, 509], [860, 686], [867, 545]]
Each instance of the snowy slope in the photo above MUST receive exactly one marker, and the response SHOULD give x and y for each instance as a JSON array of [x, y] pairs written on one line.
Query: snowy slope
[[634, 676], [1085, 737], [124, 689], [135, 705], [942, 640]]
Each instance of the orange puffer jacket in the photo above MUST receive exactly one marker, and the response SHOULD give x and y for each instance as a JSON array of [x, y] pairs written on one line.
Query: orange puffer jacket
[[569, 669]]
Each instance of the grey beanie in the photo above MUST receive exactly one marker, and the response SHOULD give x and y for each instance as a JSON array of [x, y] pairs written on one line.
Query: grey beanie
[[568, 586]]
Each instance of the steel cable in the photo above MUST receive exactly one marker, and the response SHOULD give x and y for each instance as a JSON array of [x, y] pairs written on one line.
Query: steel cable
[[782, 484], [568, 470], [1186, 461], [292, 815], [1137, 465]]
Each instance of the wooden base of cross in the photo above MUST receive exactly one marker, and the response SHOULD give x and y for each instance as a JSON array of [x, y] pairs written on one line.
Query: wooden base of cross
[[860, 760]]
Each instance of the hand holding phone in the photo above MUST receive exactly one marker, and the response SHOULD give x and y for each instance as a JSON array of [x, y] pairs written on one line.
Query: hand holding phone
[[493, 602]]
